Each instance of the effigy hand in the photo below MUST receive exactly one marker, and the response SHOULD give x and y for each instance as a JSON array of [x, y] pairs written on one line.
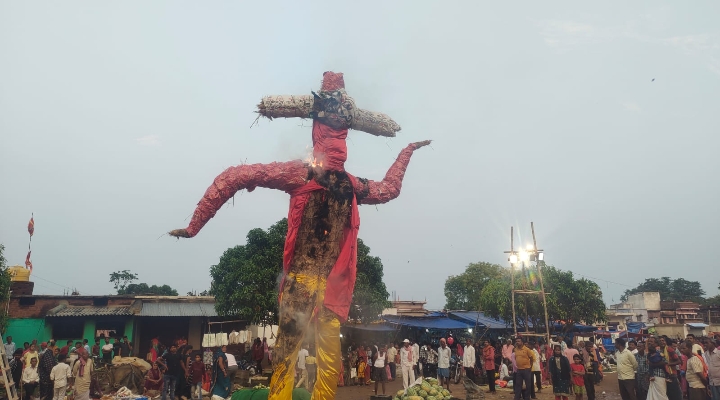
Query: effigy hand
[[421, 144], [178, 233]]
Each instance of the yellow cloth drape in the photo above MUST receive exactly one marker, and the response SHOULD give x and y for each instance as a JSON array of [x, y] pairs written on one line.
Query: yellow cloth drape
[[327, 345]]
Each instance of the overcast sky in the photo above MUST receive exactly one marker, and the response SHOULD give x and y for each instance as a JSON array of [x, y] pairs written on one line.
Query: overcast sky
[[116, 116]]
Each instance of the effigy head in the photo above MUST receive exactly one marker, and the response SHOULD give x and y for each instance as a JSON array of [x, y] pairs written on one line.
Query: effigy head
[[336, 108], [331, 105]]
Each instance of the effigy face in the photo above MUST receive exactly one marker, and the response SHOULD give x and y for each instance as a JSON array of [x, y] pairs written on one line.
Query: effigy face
[[335, 109]]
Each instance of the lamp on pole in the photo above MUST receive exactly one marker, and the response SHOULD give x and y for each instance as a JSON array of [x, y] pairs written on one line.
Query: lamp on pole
[[524, 258]]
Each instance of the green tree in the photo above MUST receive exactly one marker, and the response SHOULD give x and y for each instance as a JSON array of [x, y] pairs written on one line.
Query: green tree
[[4, 290], [462, 292], [144, 289], [670, 289], [572, 300], [568, 299], [245, 281], [712, 301], [121, 279], [370, 296]]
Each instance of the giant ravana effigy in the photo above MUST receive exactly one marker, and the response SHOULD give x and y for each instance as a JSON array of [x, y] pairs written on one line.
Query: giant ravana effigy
[[320, 252]]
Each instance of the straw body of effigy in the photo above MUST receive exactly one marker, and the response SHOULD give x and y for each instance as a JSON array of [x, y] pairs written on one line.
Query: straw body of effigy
[[286, 106], [374, 123], [371, 122]]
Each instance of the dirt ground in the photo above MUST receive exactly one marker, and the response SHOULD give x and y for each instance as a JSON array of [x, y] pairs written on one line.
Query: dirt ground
[[606, 390]]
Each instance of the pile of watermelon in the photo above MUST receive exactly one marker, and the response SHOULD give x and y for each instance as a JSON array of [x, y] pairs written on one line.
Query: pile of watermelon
[[429, 389]]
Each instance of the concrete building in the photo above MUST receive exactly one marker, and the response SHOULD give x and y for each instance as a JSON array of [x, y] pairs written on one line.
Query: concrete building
[[140, 318], [679, 318], [710, 315], [409, 308], [640, 307]]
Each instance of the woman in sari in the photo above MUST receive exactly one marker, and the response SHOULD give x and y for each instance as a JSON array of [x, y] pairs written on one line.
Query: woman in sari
[[154, 350], [220, 380], [153, 381]]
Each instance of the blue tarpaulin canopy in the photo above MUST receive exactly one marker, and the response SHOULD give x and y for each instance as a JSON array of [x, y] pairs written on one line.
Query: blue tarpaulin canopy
[[427, 322], [372, 327], [436, 314], [635, 327], [698, 325], [479, 318]]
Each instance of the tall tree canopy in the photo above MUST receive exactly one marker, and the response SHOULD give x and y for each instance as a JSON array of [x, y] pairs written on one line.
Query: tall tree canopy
[[4, 290], [568, 299], [462, 292], [123, 283], [245, 281], [670, 289]]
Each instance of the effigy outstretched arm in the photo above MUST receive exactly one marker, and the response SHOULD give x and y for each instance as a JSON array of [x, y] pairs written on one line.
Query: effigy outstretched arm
[[372, 192], [284, 176]]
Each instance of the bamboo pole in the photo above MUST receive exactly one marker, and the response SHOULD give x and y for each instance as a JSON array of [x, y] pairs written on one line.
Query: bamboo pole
[[512, 282], [542, 285]]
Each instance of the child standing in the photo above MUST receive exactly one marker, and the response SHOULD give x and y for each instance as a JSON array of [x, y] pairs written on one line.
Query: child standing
[[197, 370], [560, 374], [362, 366], [578, 376], [60, 375]]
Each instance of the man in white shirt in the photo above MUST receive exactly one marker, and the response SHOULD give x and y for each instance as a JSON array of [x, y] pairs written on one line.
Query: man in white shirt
[[535, 370], [626, 367], [407, 364], [632, 347], [107, 351], [469, 360], [696, 348], [9, 348], [444, 363], [416, 357], [695, 373], [712, 359], [232, 366], [504, 373], [30, 379], [301, 367], [391, 353], [60, 375]]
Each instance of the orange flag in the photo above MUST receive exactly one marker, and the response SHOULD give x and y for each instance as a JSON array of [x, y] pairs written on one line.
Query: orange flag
[[31, 226], [28, 263]]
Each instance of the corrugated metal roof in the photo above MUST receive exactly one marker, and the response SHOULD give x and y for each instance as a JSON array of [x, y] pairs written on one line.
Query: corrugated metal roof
[[83, 311], [178, 309]]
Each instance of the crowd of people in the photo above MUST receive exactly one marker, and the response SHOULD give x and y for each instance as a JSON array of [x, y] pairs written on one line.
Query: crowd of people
[[176, 370], [654, 369], [380, 363], [658, 368], [52, 370]]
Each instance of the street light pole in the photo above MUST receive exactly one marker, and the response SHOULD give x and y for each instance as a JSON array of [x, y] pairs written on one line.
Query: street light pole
[[529, 255], [512, 279]]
